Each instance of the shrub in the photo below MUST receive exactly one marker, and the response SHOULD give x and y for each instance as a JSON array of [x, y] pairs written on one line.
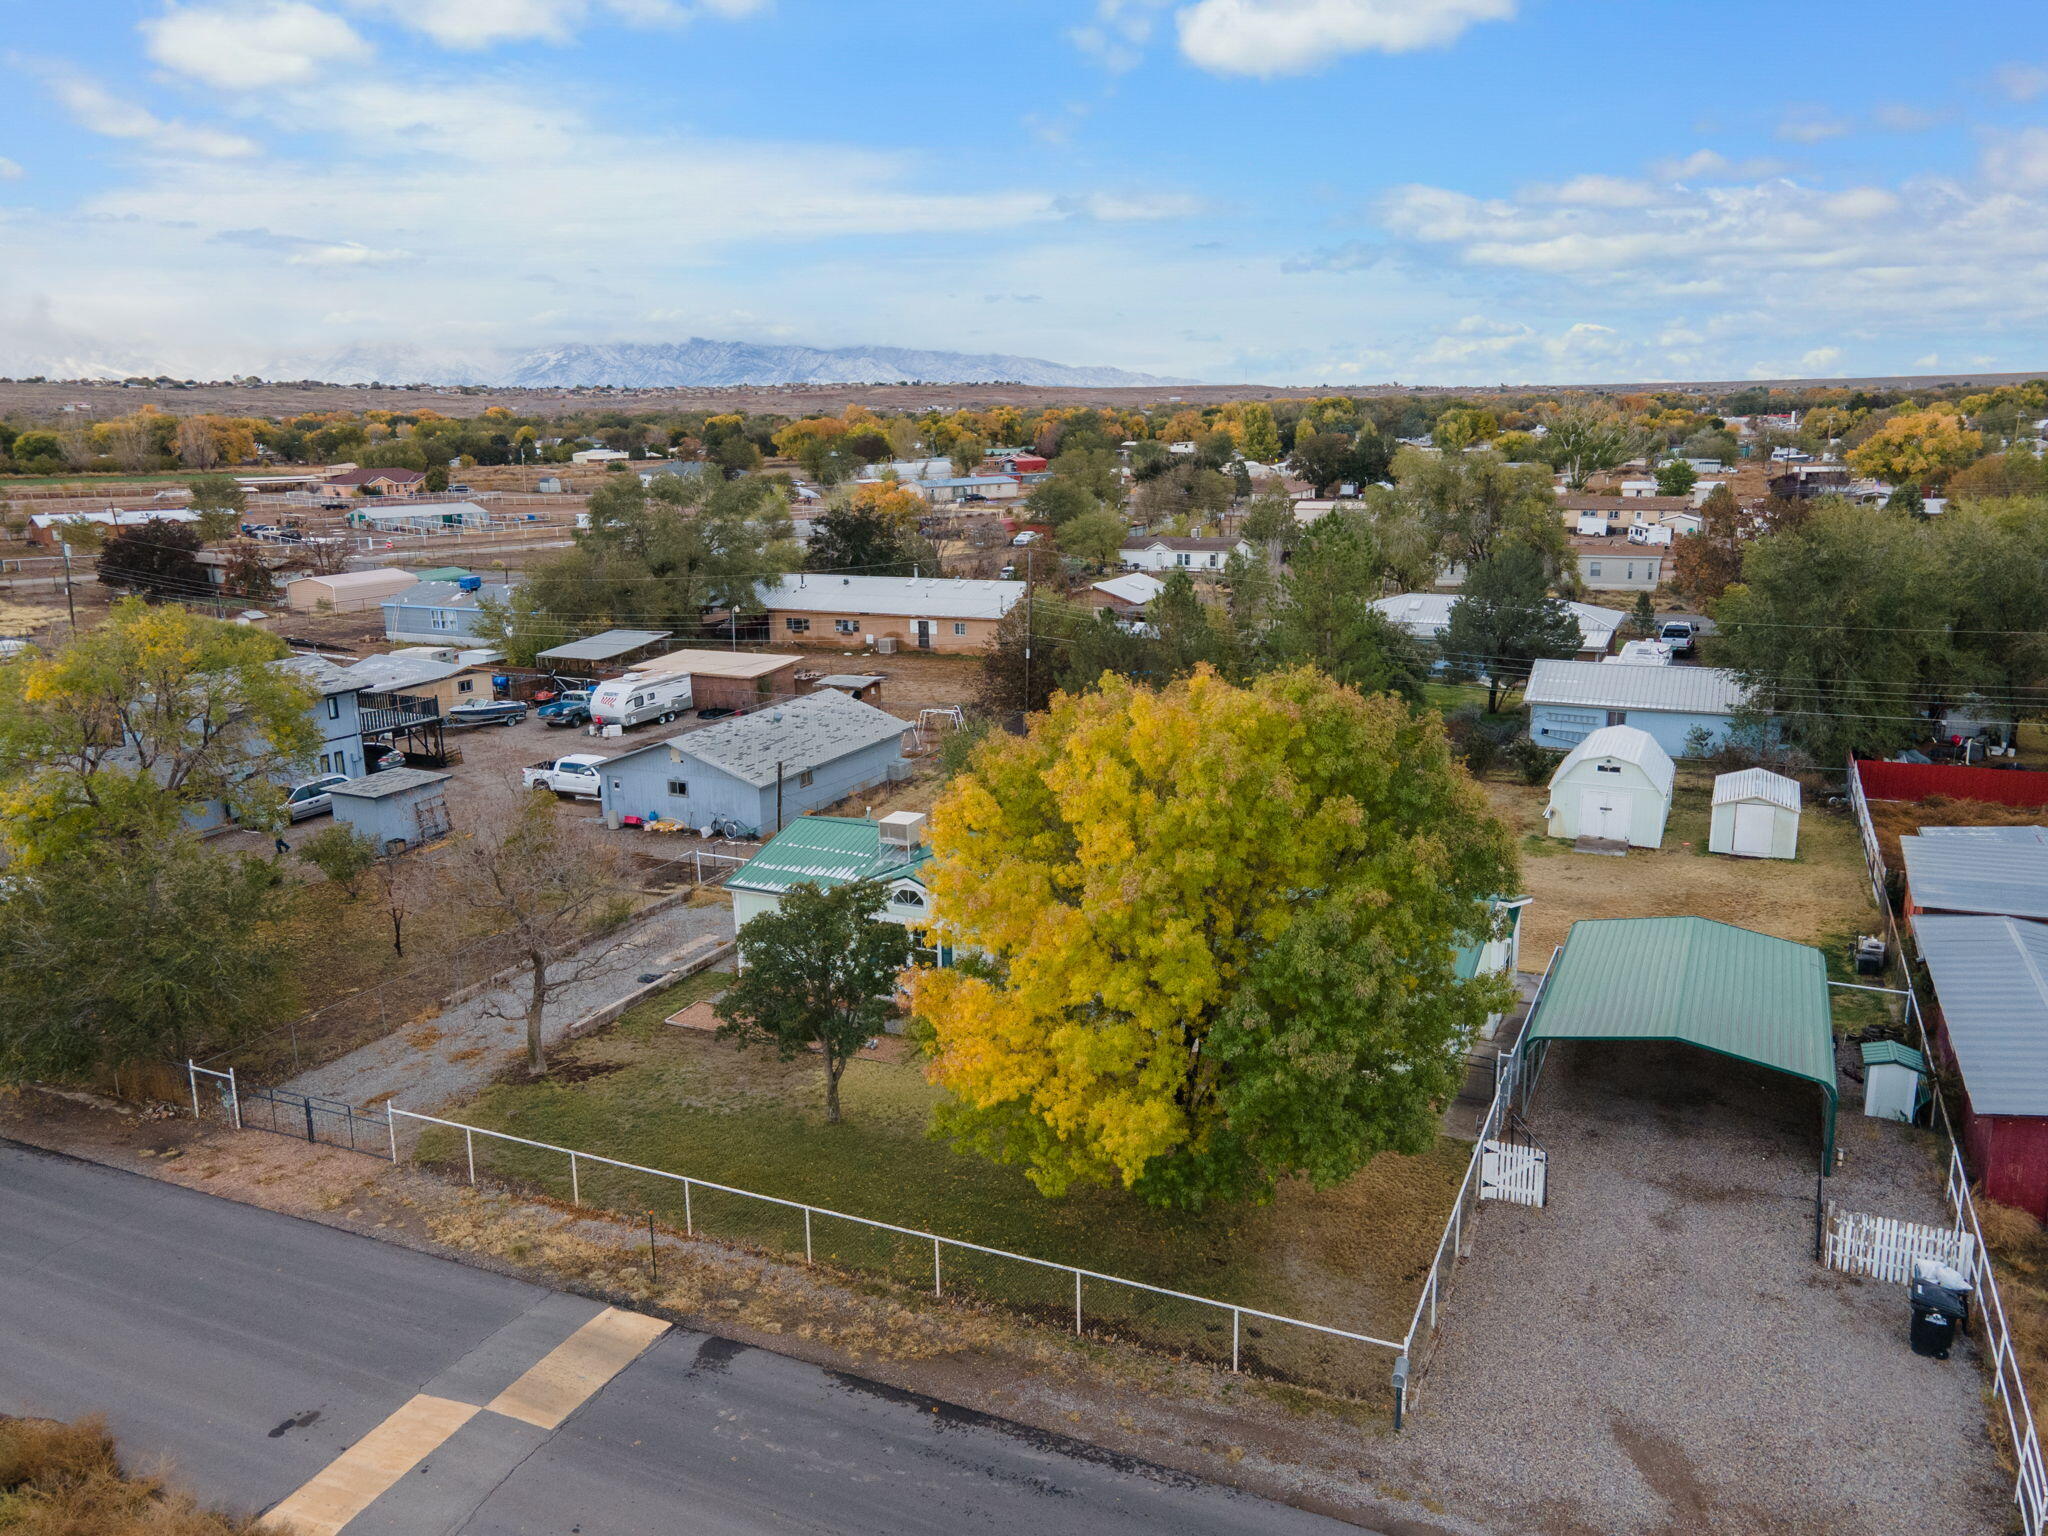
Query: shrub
[[1533, 762]]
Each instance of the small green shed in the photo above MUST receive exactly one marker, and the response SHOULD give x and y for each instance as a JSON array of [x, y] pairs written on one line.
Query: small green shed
[[1693, 980]]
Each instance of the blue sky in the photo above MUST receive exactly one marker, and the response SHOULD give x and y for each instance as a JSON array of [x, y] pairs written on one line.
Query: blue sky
[[1351, 191]]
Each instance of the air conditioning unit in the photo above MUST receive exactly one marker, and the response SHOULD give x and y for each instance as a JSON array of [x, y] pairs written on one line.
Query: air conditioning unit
[[902, 830], [885, 645]]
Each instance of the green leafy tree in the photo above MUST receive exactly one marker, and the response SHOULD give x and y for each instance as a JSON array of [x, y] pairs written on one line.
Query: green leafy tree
[[217, 493], [1186, 493], [1580, 445], [140, 723], [1325, 618], [1992, 555], [1095, 470], [1840, 629], [1504, 622], [1094, 536], [870, 542], [1641, 623], [342, 854], [1469, 504], [817, 975], [1261, 434], [137, 949], [1219, 929], [1057, 501], [1675, 477], [156, 557]]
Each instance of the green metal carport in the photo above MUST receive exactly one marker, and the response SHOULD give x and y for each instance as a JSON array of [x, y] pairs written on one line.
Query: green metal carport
[[1691, 979]]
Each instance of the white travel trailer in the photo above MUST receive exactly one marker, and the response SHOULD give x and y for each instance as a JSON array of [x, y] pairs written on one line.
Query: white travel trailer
[[639, 697]]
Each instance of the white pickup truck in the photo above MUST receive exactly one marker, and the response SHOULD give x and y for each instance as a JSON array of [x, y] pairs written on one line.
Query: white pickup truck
[[571, 776]]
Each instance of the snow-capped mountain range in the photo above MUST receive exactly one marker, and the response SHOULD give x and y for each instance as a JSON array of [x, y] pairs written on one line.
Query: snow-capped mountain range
[[628, 365]]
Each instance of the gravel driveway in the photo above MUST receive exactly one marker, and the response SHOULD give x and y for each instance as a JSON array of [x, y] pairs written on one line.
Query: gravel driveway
[[1657, 1351], [433, 1062]]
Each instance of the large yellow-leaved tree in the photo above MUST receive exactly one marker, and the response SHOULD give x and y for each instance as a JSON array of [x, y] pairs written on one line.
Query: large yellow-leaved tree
[[1213, 934], [1917, 448]]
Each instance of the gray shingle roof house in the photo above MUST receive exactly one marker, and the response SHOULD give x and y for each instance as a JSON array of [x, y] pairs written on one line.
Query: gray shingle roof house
[[761, 770]]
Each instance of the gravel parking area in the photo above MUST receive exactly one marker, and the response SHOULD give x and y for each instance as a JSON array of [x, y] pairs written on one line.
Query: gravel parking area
[[1657, 1351]]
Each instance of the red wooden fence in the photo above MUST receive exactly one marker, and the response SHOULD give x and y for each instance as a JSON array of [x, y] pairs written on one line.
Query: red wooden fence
[[1918, 781]]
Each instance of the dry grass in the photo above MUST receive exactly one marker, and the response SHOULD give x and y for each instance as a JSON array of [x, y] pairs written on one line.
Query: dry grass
[[1812, 899], [1894, 819], [67, 1480], [2020, 1246]]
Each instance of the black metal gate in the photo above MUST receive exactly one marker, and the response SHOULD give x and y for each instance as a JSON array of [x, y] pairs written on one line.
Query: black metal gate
[[327, 1122]]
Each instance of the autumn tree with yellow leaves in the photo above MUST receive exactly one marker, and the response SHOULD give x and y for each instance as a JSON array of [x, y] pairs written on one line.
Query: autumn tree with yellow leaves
[[1214, 935], [1917, 448]]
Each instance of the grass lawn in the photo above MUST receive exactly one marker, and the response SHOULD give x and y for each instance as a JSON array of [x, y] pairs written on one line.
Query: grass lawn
[[652, 1093]]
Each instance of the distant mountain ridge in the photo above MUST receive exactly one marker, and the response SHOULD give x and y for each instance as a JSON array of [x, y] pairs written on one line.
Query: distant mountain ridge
[[696, 363]]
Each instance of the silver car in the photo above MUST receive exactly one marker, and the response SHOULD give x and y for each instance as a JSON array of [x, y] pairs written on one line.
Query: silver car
[[311, 798]]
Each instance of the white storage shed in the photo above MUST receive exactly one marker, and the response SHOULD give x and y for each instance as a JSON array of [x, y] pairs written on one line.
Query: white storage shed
[[1616, 786], [1756, 815]]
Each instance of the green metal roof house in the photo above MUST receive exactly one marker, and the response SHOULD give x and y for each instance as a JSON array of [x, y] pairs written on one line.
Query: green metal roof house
[[833, 850]]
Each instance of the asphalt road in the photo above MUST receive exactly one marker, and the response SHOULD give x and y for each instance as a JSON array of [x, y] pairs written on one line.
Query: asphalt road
[[250, 1350]]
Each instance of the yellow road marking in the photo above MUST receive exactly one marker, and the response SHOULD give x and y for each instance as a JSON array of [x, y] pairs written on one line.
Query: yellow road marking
[[569, 1373], [348, 1484]]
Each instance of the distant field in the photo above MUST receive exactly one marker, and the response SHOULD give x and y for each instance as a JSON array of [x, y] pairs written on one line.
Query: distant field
[[811, 399]]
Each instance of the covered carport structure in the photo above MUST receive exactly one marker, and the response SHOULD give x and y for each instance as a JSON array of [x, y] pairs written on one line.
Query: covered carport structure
[[1693, 981]]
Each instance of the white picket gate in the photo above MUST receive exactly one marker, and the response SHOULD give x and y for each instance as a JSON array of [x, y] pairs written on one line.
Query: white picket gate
[[1511, 1170], [1886, 1248]]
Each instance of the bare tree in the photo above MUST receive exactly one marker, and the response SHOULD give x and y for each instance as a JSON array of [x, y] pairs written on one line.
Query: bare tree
[[554, 885]]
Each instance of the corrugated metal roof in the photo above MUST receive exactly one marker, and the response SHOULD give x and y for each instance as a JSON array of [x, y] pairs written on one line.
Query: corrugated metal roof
[[826, 851], [606, 646], [1680, 690], [911, 597], [392, 781], [1424, 615], [2025, 836], [1756, 784], [1981, 875], [1991, 979], [1709, 984], [1630, 746]]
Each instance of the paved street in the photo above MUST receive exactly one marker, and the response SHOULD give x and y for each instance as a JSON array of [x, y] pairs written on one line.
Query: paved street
[[274, 1362]]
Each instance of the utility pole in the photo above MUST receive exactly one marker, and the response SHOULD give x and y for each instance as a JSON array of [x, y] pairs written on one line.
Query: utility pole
[[1028, 552], [70, 604]]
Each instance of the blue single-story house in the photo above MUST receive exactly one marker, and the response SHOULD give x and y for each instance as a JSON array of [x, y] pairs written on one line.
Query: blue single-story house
[[1569, 700], [435, 612], [762, 770]]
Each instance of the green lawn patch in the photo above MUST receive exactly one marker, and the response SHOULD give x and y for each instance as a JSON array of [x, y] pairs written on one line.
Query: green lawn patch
[[665, 1097]]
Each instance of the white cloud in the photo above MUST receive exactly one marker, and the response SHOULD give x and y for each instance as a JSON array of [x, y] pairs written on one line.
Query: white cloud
[[1116, 38], [2018, 161], [471, 24], [1133, 207], [1901, 117], [1820, 359], [262, 43], [1811, 128], [2021, 82], [10, 170], [95, 107], [1594, 191], [1711, 165], [1811, 256], [1282, 37]]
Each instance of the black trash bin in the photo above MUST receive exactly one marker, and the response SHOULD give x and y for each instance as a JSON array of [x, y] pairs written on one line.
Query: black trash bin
[[1938, 1313]]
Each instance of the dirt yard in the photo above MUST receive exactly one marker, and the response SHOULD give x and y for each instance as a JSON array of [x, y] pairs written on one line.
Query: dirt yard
[[1816, 898]]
